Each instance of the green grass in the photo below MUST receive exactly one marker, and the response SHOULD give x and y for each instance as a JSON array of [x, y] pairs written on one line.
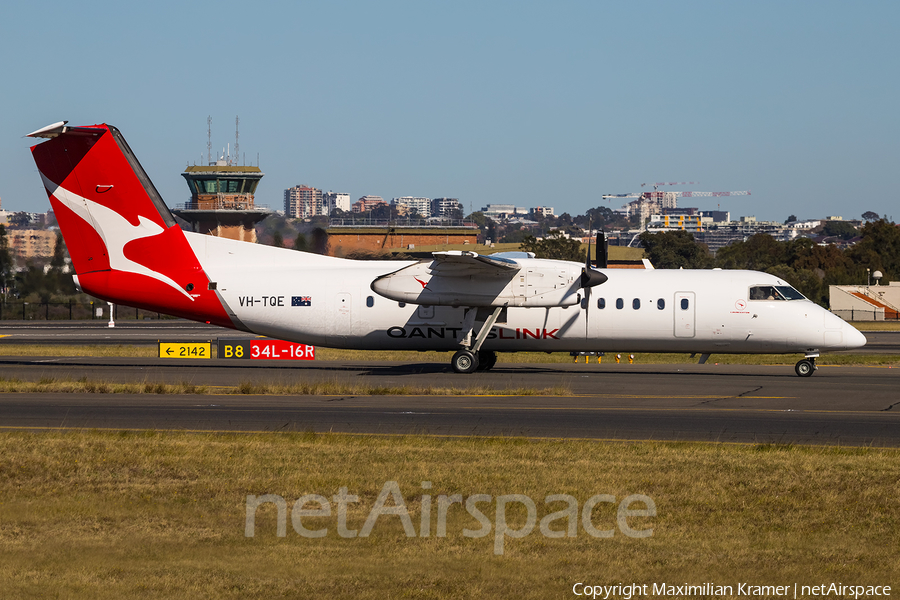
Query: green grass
[[159, 515], [877, 325]]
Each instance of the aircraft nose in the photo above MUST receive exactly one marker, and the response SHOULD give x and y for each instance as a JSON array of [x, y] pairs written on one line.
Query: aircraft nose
[[853, 338]]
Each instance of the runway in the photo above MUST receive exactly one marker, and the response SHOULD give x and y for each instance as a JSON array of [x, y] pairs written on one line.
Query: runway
[[850, 406]]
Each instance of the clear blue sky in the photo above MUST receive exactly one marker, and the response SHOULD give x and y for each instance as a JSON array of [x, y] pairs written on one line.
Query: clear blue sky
[[491, 102]]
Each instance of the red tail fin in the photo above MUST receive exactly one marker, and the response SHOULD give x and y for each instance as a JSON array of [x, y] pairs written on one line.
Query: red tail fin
[[125, 244]]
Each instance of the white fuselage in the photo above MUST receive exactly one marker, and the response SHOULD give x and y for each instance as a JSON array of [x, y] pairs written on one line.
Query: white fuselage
[[328, 301]]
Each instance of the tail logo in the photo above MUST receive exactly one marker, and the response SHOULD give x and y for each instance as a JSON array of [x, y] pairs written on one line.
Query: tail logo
[[115, 231]]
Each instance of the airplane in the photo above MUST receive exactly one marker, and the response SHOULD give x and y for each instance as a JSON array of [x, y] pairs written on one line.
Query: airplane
[[127, 248]]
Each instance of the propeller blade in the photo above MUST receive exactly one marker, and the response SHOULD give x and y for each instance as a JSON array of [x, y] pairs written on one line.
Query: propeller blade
[[587, 260]]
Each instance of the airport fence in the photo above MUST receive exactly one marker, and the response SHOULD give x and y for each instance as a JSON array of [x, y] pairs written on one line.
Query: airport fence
[[72, 311]]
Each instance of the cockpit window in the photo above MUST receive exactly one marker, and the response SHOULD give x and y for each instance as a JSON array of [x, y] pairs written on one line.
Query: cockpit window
[[774, 292]]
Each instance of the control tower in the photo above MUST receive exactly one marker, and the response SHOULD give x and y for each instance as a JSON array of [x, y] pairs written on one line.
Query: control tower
[[222, 200]]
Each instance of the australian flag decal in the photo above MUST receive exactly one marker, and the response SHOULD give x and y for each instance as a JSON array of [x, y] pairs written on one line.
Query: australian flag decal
[[301, 300]]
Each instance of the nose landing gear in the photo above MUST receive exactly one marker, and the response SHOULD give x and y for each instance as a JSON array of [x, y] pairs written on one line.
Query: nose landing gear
[[806, 367]]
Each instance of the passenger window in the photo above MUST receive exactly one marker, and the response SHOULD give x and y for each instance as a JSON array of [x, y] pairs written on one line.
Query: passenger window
[[620, 304], [636, 303], [601, 302], [660, 304], [685, 303], [370, 301]]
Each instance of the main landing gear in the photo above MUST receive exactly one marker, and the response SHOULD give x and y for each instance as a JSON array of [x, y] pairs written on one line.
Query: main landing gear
[[466, 361], [806, 367], [472, 358]]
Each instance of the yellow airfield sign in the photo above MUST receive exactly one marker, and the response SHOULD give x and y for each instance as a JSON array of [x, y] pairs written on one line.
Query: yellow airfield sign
[[185, 350]]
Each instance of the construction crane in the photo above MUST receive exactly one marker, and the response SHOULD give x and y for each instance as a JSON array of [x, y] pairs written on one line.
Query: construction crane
[[660, 197]]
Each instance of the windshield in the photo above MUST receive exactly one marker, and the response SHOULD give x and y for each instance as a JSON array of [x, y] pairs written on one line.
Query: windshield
[[775, 292]]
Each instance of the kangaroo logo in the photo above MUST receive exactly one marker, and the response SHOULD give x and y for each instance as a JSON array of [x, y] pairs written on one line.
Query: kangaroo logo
[[114, 230]]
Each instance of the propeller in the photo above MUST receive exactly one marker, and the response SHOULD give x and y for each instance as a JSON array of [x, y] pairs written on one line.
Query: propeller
[[589, 275], [589, 278]]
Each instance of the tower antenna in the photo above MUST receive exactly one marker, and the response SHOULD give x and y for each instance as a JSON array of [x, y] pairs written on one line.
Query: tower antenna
[[237, 153], [209, 140]]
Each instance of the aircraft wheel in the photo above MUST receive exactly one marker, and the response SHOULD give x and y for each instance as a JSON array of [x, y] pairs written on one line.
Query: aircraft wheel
[[486, 360], [464, 362], [805, 367]]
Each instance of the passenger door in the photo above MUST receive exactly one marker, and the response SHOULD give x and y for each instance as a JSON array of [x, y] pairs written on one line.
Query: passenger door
[[685, 314]]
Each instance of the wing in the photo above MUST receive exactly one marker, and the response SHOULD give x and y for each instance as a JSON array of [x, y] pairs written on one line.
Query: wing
[[456, 263], [461, 278]]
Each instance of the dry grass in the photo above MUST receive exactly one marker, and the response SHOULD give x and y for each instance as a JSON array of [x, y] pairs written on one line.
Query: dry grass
[[162, 515], [321, 388], [100, 350]]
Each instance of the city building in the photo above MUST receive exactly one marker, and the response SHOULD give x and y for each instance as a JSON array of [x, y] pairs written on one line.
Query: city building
[[684, 222], [407, 205], [302, 202], [718, 216], [367, 203], [25, 244], [446, 207], [504, 211], [542, 211], [333, 200]]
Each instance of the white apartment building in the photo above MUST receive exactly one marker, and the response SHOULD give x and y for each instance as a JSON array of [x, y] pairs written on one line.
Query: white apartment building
[[442, 207], [333, 200], [407, 204]]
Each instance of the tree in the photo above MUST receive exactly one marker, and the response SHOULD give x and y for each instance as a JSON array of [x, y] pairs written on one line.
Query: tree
[[878, 249], [58, 260], [757, 253], [555, 245], [514, 236], [35, 283], [790, 219], [319, 241], [675, 250], [58, 279], [301, 244], [278, 240], [870, 216], [384, 212], [841, 229], [19, 219]]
